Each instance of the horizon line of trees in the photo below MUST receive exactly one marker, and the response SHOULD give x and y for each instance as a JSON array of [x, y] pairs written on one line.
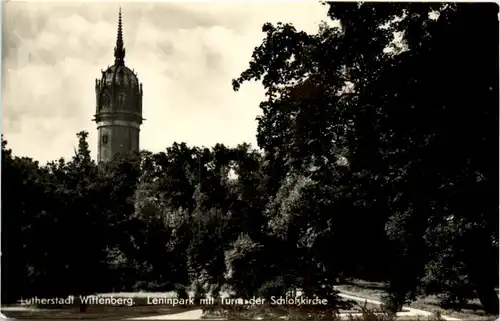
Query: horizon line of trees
[[393, 179]]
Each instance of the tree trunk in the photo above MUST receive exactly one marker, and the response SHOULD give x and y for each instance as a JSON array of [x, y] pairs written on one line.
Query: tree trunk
[[484, 276], [83, 307], [489, 299]]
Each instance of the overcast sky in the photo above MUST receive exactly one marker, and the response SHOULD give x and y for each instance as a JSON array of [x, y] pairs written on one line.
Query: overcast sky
[[185, 54]]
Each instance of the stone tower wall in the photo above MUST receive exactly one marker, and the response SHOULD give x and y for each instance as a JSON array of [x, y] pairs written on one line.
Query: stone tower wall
[[116, 137]]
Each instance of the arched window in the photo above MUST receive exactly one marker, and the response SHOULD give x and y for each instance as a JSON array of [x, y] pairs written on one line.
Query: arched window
[[121, 77], [105, 101], [121, 100], [105, 139]]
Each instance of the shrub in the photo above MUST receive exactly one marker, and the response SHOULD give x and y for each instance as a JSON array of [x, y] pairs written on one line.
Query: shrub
[[181, 291], [199, 291]]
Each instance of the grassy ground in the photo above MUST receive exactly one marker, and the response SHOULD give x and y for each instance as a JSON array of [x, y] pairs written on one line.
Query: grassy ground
[[102, 312], [268, 312], [368, 290], [375, 290]]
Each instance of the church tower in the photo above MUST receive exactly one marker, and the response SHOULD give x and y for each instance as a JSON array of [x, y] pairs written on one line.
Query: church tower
[[119, 106]]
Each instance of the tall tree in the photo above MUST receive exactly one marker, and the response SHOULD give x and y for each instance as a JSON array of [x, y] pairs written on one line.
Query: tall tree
[[344, 93]]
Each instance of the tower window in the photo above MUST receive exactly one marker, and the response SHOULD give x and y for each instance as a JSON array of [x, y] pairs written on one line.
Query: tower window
[[105, 139]]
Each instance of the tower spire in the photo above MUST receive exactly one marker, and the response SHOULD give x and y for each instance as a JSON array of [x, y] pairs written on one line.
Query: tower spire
[[119, 49]]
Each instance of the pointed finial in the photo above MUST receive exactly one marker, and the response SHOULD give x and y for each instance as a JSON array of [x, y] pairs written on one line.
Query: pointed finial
[[119, 49]]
